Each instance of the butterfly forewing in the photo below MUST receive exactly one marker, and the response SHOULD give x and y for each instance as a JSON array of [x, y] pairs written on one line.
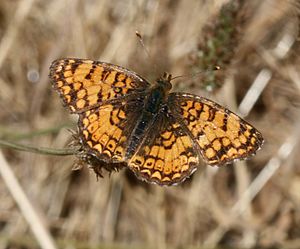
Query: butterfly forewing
[[222, 136], [85, 84]]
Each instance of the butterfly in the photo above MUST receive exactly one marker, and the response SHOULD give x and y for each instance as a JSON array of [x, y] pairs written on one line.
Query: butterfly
[[162, 136]]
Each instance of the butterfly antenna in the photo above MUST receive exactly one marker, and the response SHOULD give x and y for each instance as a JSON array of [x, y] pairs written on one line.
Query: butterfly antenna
[[141, 40], [216, 68]]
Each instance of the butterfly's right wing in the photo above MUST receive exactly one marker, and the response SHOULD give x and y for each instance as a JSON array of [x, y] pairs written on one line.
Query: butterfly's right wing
[[86, 84], [222, 136]]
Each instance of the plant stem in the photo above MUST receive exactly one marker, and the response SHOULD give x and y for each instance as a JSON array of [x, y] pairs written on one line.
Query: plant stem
[[39, 150]]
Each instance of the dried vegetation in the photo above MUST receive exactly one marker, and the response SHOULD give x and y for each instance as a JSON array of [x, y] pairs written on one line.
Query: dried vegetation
[[254, 203]]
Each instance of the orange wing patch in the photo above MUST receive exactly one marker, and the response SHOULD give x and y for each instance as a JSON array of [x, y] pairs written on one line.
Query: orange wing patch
[[105, 130], [221, 135], [85, 84], [167, 156]]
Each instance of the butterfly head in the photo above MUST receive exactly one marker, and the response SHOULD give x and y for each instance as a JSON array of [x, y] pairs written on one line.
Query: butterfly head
[[165, 81]]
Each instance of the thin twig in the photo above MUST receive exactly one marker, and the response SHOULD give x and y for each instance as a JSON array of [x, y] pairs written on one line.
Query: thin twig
[[13, 135], [39, 150]]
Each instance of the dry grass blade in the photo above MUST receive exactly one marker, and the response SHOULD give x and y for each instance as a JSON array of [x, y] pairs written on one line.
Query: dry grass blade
[[39, 150], [28, 211], [12, 31]]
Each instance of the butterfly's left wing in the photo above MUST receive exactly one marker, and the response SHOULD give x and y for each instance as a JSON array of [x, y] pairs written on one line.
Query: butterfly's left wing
[[104, 131], [167, 155], [86, 84], [222, 136]]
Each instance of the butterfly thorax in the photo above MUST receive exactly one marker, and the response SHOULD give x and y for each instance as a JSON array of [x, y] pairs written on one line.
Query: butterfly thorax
[[158, 93]]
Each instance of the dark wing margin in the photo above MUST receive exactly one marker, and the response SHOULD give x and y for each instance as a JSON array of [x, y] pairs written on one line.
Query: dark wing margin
[[222, 136], [85, 84], [167, 155]]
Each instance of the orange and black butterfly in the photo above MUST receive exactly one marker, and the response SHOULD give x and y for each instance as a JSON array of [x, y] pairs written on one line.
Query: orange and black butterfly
[[161, 136]]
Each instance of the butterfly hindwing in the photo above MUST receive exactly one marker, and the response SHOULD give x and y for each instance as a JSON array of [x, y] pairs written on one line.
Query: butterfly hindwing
[[167, 154], [105, 130]]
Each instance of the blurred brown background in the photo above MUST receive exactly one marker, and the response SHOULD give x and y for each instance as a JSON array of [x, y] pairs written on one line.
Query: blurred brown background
[[250, 204]]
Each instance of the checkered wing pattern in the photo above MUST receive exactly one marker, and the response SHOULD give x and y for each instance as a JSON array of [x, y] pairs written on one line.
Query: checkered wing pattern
[[222, 136], [86, 84], [167, 155], [104, 131]]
